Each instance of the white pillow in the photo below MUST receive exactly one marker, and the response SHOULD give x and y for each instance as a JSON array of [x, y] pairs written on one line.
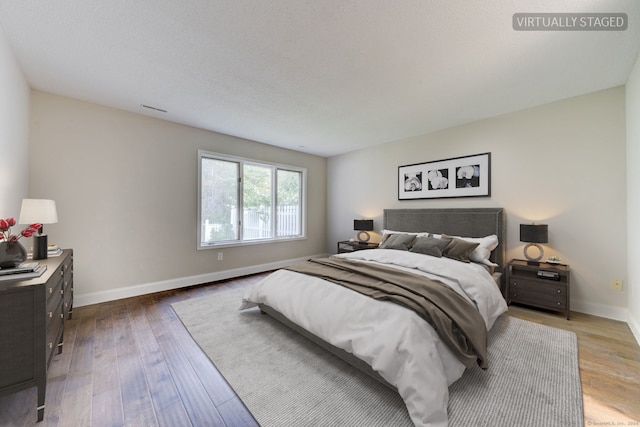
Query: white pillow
[[422, 233]]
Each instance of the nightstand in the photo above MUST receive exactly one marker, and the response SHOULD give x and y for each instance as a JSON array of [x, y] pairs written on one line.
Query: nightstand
[[544, 286], [351, 246]]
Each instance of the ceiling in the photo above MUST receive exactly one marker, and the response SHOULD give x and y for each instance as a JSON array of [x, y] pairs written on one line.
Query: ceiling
[[319, 76]]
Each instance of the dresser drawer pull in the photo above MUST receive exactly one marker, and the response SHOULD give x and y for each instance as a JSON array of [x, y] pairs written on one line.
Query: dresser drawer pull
[[50, 345], [515, 283], [558, 290], [515, 295], [50, 314], [559, 303], [61, 273], [50, 290]]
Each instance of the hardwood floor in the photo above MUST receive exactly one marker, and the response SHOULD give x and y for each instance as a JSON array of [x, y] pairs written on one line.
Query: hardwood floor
[[132, 363]]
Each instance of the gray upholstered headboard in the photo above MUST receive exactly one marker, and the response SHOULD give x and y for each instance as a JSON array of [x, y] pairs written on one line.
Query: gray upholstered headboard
[[465, 222]]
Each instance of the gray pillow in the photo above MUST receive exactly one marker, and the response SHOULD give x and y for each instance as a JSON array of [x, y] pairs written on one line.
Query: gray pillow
[[459, 249], [429, 246], [400, 242]]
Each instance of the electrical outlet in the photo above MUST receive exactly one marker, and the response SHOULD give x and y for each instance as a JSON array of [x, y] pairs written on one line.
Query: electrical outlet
[[616, 284], [220, 256]]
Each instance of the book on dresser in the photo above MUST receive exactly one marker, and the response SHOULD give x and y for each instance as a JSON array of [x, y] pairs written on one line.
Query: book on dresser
[[26, 270]]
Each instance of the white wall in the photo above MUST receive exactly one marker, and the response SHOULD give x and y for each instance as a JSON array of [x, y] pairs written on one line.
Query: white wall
[[125, 186], [633, 197], [562, 164], [14, 133]]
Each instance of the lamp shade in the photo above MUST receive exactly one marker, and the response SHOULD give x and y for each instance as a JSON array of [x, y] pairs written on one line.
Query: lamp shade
[[534, 233], [41, 211], [363, 224]]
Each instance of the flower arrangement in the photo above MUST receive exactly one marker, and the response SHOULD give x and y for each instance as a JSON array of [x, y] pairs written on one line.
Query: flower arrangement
[[5, 230]]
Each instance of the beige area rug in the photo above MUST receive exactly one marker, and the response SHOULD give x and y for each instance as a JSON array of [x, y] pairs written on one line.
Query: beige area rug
[[286, 380]]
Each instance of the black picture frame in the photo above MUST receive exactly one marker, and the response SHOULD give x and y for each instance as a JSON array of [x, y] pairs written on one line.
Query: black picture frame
[[467, 176]]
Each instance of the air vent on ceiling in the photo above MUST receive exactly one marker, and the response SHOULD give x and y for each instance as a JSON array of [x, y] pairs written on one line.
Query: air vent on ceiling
[[153, 108]]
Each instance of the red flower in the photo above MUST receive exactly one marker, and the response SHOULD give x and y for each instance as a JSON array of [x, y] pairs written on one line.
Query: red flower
[[5, 230], [28, 232]]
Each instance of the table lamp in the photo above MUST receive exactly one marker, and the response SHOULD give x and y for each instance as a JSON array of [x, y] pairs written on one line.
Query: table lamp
[[363, 226], [41, 211], [533, 234]]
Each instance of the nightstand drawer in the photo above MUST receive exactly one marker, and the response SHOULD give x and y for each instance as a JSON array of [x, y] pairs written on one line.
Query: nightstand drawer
[[542, 294]]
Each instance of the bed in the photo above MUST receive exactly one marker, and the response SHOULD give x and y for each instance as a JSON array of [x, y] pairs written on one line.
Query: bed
[[393, 344]]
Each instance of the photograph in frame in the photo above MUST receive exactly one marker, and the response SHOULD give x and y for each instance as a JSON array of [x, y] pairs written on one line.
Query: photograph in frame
[[468, 176]]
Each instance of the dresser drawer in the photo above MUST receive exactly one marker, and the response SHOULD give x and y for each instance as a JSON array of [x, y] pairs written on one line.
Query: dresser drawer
[[54, 331], [54, 299], [53, 288], [67, 287]]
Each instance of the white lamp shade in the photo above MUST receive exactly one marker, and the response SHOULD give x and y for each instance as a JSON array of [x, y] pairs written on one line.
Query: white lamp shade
[[42, 211]]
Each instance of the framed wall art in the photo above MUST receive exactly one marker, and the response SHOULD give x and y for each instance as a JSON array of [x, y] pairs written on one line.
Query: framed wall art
[[468, 176]]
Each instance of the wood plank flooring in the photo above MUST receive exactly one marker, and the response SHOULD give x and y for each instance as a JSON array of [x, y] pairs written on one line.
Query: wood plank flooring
[[132, 363]]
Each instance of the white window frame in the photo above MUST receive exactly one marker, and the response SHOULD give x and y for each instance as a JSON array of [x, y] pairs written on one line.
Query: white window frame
[[204, 154]]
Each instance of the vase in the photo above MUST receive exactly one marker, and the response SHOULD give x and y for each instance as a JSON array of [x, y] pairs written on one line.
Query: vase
[[12, 254]]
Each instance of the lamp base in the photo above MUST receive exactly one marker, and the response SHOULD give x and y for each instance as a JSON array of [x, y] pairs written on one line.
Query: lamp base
[[530, 259], [40, 246], [364, 236]]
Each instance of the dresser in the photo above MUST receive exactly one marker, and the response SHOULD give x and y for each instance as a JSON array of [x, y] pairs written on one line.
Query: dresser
[[32, 316]]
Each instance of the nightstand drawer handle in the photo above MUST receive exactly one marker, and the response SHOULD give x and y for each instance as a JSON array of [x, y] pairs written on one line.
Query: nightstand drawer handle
[[559, 303], [50, 314], [515, 283], [558, 290]]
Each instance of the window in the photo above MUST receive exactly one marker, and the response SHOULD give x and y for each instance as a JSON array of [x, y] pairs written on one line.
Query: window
[[243, 201]]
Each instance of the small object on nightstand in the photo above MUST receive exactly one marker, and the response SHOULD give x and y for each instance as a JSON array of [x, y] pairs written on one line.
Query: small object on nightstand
[[544, 286]]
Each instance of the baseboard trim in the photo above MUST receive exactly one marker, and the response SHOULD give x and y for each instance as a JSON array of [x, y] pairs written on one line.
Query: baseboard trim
[[80, 300], [601, 310], [634, 325]]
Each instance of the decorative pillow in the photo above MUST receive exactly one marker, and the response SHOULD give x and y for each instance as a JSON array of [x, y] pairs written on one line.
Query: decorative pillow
[[429, 246], [400, 242], [481, 253], [459, 249]]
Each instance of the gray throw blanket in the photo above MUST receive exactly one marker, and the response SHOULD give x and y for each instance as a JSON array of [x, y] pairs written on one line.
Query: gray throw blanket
[[456, 321]]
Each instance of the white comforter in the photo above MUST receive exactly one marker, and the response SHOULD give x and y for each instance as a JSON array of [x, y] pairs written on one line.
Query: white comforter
[[395, 341]]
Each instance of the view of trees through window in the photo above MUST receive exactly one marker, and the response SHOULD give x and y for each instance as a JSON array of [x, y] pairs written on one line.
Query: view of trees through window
[[242, 201]]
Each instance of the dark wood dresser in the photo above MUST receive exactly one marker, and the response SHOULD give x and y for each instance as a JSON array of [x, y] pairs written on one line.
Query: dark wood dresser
[[32, 315]]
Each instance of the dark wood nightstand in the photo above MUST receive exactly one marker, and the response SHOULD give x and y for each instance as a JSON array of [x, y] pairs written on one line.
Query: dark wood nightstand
[[351, 246], [544, 286]]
